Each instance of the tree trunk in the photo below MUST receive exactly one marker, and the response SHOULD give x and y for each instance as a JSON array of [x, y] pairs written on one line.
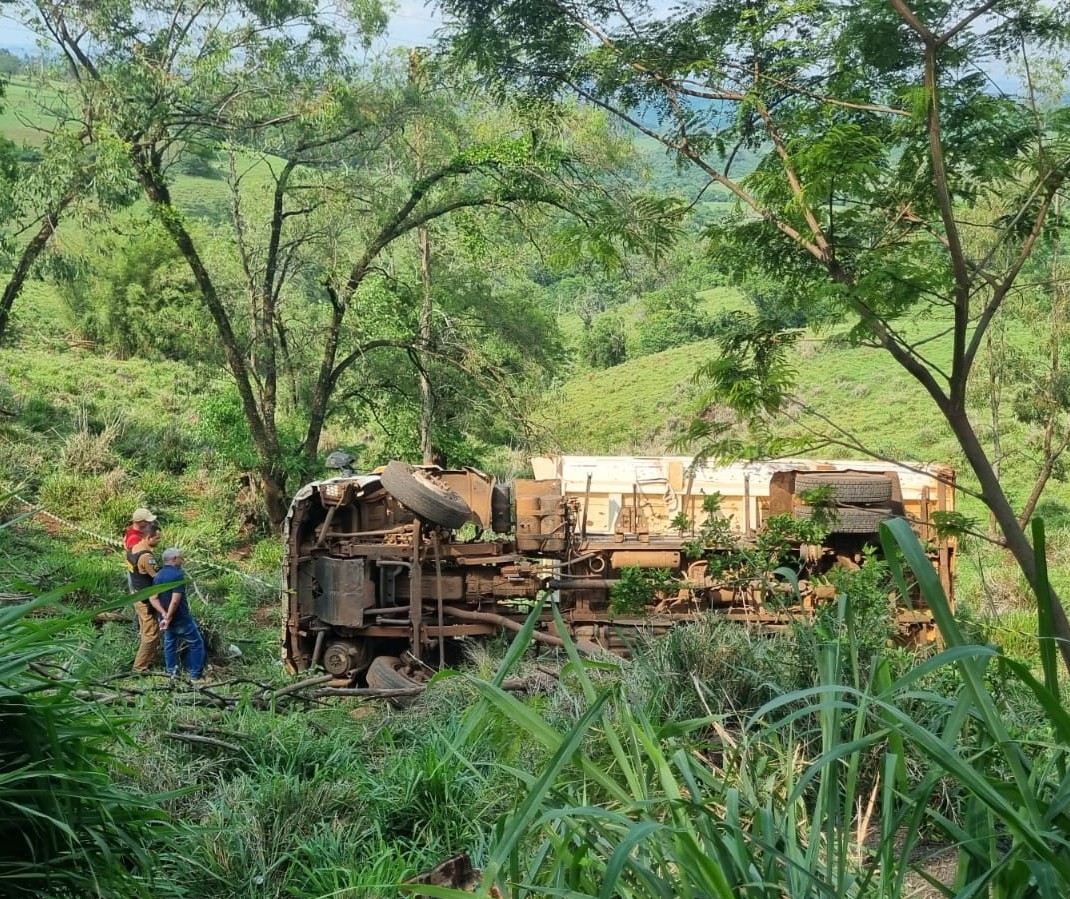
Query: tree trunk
[[276, 499], [426, 399], [1013, 532], [996, 363], [29, 256], [265, 437]]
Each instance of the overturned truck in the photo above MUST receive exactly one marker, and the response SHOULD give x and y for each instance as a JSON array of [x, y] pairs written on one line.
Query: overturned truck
[[388, 573]]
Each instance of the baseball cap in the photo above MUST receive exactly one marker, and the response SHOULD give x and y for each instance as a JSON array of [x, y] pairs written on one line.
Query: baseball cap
[[142, 515]]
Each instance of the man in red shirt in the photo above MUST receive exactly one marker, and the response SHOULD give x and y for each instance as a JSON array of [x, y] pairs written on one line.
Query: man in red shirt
[[135, 533], [139, 523]]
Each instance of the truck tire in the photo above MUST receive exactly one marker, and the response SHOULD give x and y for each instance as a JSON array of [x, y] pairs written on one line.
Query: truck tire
[[848, 488], [385, 673], [425, 495], [849, 520]]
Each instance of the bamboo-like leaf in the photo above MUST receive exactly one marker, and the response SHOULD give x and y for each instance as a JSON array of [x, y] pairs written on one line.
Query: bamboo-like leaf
[[519, 645], [621, 857], [528, 809], [897, 533], [1050, 702]]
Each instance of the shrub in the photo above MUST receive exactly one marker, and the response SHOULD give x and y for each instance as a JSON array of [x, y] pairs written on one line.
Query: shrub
[[605, 343], [42, 416], [671, 319], [90, 450], [136, 280], [167, 447], [713, 663], [99, 497]]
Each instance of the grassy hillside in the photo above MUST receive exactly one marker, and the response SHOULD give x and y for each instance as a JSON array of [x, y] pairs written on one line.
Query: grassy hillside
[[21, 111], [643, 403], [636, 407]]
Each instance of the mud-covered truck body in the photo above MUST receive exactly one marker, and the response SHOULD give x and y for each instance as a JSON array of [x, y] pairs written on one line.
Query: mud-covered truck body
[[388, 573]]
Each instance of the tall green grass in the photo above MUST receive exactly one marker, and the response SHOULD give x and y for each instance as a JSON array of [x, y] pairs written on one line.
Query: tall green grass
[[824, 791], [70, 822]]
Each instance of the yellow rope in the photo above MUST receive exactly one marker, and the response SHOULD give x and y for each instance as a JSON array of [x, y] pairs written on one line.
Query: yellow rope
[[118, 544]]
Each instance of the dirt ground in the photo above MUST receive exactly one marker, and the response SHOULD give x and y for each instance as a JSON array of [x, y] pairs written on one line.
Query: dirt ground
[[939, 862]]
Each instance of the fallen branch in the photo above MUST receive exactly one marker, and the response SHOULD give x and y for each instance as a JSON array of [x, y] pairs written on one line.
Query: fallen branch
[[191, 728], [368, 691], [301, 685], [103, 698], [202, 697], [513, 685], [45, 670]]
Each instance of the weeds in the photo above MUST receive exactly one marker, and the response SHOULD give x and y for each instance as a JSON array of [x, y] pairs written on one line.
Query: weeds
[[91, 450]]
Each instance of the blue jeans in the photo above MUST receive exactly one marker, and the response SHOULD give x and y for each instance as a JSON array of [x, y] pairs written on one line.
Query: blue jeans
[[183, 631]]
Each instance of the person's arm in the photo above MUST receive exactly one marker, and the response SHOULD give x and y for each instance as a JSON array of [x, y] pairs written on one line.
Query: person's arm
[[176, 600], [154, 601]]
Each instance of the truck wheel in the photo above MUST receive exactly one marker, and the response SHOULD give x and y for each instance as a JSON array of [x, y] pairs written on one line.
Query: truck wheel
[[387, 673], [849, 520], [848, 488], [425, 495]]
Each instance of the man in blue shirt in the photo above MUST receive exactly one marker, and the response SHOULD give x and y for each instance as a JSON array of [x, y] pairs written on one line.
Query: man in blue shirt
[[176, 620]]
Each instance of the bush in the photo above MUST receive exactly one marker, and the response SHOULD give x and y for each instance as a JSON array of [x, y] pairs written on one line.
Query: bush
[[90, 450], [713, 663], [134, 298], [671, 319], [42, 416], [168, 446], [605, 343]]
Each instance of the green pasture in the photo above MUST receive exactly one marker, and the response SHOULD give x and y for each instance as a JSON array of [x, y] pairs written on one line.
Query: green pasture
[[24, 112]]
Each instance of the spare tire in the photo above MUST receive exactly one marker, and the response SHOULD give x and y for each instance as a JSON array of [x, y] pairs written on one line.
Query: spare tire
[[849, 520], [848, 488], [421, 492]]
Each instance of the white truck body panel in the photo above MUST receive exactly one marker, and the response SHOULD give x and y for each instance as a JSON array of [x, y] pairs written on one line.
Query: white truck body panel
[[662, 487]]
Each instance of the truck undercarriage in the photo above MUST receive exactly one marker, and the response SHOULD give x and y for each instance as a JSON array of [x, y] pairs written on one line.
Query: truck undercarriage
[[388, 574]]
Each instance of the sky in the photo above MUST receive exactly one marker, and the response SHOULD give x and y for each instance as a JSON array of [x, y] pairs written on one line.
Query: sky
[[412, 24]]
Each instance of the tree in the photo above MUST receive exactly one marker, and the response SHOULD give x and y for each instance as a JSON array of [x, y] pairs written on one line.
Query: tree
[[321, 185], [672, 316], [63, 178], [604, 343], [10, 64], [879, 127]]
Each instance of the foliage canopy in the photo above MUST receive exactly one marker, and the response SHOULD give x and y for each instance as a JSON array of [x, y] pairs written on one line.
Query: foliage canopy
[[333, 166]]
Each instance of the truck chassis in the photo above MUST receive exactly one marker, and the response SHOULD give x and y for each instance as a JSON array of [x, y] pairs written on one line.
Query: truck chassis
[[388, 574]]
